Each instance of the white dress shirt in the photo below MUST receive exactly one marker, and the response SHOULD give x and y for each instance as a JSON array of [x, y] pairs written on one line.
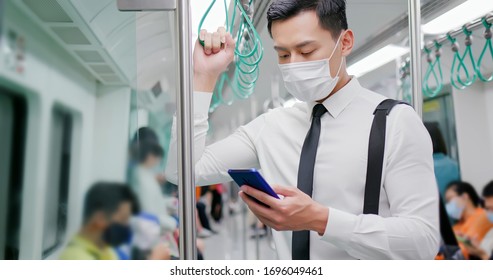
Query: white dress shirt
[[407, 226]]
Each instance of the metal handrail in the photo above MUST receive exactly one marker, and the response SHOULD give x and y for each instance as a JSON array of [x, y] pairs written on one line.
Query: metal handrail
[[414, 8], [186, 165]]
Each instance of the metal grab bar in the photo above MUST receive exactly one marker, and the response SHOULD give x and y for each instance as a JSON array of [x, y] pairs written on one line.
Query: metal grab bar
[[454, 33], [186, 165], [414, 9]]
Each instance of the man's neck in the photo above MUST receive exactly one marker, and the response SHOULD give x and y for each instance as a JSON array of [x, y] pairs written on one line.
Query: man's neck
[[344, 79], [94, 237]]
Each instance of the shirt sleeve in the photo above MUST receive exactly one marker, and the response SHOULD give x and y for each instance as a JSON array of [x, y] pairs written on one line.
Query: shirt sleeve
[[212, 162], [412, 230]]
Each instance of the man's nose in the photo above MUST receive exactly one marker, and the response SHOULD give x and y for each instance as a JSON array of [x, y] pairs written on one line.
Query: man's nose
[[296, 58]]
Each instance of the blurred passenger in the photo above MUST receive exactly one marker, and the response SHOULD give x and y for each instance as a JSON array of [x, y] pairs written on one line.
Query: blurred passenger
[[148, 241], [204, 226], [484, 249], [143, 134], [149, 189], [217, 202], [106, 214], [153, 199], [463, 205], [446, 168]]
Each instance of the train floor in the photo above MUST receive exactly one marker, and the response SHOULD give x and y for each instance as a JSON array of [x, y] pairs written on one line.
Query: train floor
[[235, 240]]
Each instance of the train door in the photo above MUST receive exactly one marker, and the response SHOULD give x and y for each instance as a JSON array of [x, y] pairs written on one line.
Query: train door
[[56, 205], [6, 121], [13, 114]]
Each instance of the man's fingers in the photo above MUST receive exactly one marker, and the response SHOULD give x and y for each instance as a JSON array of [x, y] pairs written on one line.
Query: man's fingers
[[284, 191], [256, 208], [230, 42], [202, 34], [259, 195], [216, 42], [208, 43], [222, 34]]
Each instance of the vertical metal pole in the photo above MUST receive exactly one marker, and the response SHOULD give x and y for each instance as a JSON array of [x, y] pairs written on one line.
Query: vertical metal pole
[[415, 45], [245, 229], [257, 242], [188, 249]]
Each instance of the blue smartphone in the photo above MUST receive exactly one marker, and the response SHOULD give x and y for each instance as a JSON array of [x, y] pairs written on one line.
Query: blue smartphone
[[252, 178]]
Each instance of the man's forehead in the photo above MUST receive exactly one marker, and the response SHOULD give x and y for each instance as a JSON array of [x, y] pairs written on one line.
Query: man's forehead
[[305, 21]]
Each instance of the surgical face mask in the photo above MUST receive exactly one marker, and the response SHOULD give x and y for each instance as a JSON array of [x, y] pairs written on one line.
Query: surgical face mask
[[311, 80], [117, 234], [490, 216], [454, 209]]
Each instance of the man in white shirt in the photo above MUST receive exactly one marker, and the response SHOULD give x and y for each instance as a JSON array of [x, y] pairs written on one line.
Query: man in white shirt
[[312, 40]]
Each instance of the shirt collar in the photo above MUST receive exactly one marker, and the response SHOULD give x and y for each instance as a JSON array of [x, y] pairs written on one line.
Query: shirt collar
[[340, 100], [92, 249]]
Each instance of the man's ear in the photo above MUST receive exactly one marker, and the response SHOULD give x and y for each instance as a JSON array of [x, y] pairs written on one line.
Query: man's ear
[[347, 42], [99, 220]]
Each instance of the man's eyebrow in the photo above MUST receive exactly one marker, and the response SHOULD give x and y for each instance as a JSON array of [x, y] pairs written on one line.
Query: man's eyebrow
[[300, 45], [278, 48]]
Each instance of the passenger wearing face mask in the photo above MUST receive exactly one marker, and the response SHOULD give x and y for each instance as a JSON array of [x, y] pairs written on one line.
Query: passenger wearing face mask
[[106, 214], [463, 206], [315, 153], [484, 249]]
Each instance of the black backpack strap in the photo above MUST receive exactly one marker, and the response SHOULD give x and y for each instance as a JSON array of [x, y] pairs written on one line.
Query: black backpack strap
[[376, 149]]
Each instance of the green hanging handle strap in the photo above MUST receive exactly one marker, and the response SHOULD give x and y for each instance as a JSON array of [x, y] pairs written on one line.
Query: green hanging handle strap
[[405, 87], [457, 58], [470, 76], [220, 93], [433, 67], [248, 54], [487, 47]]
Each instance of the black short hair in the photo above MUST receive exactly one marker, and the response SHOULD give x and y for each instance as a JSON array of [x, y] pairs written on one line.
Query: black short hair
[[488, 190], [331, 13], [463, 187], [107, 197], [144, 134], [149, 147], [436, 137]]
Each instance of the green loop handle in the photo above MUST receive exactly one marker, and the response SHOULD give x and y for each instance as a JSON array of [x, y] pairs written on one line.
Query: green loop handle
[[248, 55], [433, 67], [457, 58], [470, 77], [488, 46]]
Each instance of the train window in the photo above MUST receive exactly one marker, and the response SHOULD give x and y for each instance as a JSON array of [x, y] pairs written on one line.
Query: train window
[[13, 116], [440, 109], [56, 198]]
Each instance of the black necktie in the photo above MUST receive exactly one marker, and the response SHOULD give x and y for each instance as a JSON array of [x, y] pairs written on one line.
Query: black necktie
[[301, 239]]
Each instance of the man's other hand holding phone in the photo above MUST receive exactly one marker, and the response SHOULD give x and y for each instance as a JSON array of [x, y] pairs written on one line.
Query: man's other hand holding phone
[[297, 211]]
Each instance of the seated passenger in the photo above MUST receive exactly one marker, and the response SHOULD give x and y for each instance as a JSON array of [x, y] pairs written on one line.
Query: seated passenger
[[446, 168], [152, 198], [106, 213], [463, 205], [484, 249]]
